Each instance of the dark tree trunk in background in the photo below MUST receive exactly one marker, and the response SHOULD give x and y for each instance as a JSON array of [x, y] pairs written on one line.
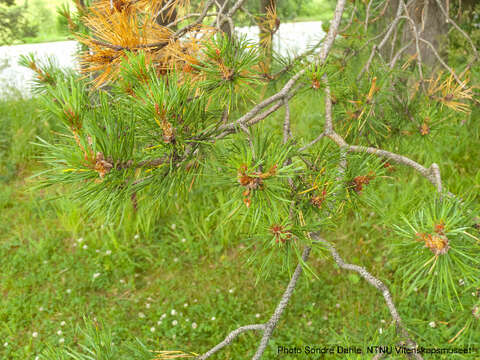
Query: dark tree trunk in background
[[167, 16], [225, 26], [265, 5], [430, 24]]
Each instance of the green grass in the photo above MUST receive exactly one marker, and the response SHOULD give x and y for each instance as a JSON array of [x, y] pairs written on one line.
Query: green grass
[[62, 272]]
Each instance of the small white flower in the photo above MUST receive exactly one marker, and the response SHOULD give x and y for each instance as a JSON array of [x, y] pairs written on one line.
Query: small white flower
[[122, 281], [309, 323], [194, 325], [37, 358], [152, 329], [173, 312], [313, 304], [59, 332], [163, 316], [230, 291], [46, 262], [108, 252], [325, 317], [85, 247], [383, 321], [187, 320], [147, 305], [461, 282], [415, 289], [432, 324], [337, 306], [185, 305], [141, 315], [213, 318], [97, 251], [175, 259], [257, 315], [35, 334], [80, 240], [184, 240], [136, 275], [174, 336], [63, 323], [61, 341], [174, 322], [5, 344], [159, 322], [74, 245], [173, 226], [41, 308], [136, 237], [195, 300], [96, 275], [69, 291], [380, 331]]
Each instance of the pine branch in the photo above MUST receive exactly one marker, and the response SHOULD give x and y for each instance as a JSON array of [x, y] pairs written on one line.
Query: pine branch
[[378, 284]]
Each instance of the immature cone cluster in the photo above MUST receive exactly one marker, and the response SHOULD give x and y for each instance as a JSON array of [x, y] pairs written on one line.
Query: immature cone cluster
[[438, 243], [280, 233], [253, 181]]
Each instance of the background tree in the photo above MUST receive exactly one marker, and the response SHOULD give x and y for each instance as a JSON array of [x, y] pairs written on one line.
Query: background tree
[[13, 23]]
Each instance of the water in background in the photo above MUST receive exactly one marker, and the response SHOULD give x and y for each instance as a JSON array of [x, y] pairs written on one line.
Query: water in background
[[291, 39]]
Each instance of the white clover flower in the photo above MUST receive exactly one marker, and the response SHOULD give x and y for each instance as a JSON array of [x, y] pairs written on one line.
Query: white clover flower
[[69, 291], [97, 251], [174, 322], [61, 341], [173, 312], [122, 281], [152, 329], [63, 323], [230, 291], [432, 324], [85, 247], [309, 323], [37, 358], [147, 305], [257, 315], [173, 226], [74, 245], [159, 322], [380, 331], [461, 282], [5, 344], [325, 317], [383, 321], [80, 240], [194, 325], [35, 334], [184, 240], [136, 237], [108, 252], [41, 308], [337, 306], [59, 332], [213, 318], [185, 305], [163, 316], [96, 275], [141, 315], [187, 320], [195, 300], [175, 259]]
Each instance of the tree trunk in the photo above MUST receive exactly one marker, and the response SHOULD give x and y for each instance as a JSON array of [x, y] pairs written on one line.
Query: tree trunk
[[430, 24], [225, 26]]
